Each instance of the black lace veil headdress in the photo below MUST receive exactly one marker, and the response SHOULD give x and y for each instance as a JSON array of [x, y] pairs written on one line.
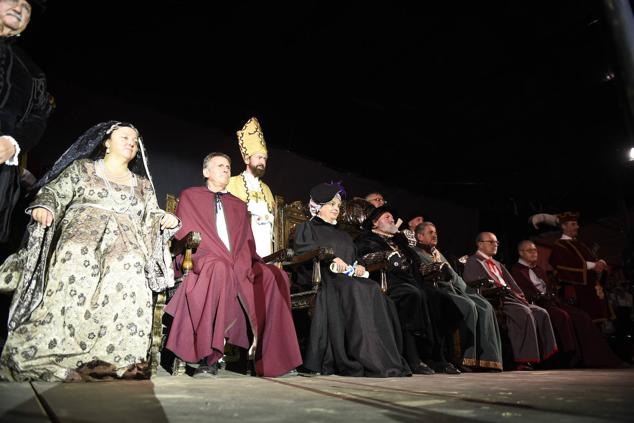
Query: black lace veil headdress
[[90, 145]]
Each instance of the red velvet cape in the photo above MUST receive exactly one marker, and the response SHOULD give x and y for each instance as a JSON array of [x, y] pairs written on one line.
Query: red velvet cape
[[228, 290]]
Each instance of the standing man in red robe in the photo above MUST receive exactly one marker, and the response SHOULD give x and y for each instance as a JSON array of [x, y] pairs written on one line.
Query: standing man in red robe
[[578, 338], [229, 289], [578, 269]]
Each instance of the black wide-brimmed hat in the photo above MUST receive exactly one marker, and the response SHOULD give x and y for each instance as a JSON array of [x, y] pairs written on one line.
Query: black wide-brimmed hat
[[323, 193], [368, 223]]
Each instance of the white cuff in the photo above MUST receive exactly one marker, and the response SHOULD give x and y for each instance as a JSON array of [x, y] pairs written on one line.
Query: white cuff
[[13, 161], [590, 265]]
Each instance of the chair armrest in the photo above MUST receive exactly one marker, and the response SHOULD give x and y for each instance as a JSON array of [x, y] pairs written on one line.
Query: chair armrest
[[316, 256], [185, 246], [319, 254], [189, 241], [377, 266], [480, 283], [283, 255], [492, 292], [542, 300]]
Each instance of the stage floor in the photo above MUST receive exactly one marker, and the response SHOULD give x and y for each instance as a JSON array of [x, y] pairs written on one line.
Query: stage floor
[[542, 396]]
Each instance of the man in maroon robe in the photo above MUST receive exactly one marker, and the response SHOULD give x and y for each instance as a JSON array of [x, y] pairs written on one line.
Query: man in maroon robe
[[578, 269], [577, 336], [528, 326], [230, 288]]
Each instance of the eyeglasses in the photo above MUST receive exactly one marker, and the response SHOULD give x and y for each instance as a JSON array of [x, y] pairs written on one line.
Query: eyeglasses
[[530, 250], [490, 241]]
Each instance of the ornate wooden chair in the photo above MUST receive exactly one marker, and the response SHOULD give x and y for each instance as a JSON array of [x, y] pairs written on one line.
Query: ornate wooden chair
[[184, 246], [288, 216]]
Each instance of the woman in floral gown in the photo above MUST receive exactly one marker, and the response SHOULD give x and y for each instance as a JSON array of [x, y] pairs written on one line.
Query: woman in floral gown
[[82, 304]]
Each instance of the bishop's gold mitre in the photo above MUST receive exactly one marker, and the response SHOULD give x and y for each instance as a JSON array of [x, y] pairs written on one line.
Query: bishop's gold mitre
[[251, 139]]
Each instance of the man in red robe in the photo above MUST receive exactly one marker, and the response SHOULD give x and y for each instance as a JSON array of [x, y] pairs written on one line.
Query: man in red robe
[[578, 270], [577, 336], [229, 289]]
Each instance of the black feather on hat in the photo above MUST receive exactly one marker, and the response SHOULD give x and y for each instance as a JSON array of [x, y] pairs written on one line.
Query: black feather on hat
[[37, 6], [368, 223]]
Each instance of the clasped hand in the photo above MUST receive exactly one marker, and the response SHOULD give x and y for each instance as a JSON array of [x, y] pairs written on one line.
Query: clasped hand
[[342, 266], [168, 221], [7, 149]]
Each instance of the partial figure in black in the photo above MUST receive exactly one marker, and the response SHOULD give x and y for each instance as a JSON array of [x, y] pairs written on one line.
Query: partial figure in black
[[24, 106], [355, 329], [24, 110]]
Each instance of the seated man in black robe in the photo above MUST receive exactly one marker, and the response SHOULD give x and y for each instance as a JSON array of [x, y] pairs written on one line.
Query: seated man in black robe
[[427, 315]]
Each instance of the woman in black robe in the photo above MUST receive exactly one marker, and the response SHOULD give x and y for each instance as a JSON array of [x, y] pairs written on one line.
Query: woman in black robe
[[355, 329]]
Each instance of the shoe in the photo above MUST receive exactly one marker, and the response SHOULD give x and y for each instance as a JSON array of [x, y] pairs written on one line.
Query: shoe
[[524, 367], [291, 373], [450, 369], [308, 374], [303, 371], [446, 368], [206, 371], [423, 369], [464, 369]]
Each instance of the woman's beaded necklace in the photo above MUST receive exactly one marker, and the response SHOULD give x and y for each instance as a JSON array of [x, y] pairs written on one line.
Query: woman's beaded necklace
[[102, 171]]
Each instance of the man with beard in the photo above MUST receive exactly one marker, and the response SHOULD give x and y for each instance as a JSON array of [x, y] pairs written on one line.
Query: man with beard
[[480, 342], [427, 315], [249, 187], [229, 290]]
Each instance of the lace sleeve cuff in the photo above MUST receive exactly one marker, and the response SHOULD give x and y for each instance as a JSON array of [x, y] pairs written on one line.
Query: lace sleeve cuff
[[13, 161]]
